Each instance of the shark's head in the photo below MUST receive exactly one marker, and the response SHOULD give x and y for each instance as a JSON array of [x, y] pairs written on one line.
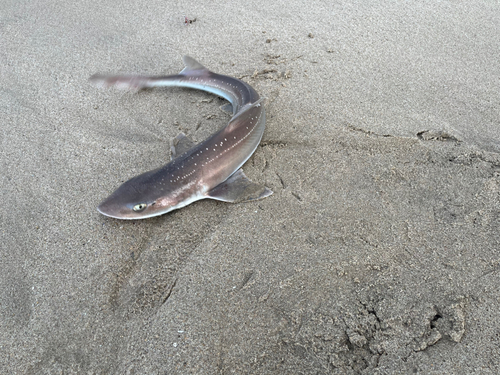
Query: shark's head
[[141, 198]]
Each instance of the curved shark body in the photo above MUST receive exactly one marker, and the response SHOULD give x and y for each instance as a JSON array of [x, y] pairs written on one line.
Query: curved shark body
[[210, 169]]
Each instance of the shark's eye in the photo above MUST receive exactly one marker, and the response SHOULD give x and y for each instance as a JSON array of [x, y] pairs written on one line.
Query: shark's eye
[[139, 207]]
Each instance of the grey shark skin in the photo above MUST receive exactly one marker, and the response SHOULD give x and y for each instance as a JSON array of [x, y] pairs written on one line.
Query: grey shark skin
[[210, 169]]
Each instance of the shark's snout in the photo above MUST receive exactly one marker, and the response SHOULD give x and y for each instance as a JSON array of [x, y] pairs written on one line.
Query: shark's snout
[[111, 208]]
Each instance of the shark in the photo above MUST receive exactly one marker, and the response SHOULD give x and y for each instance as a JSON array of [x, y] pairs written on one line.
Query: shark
[[210, 169]]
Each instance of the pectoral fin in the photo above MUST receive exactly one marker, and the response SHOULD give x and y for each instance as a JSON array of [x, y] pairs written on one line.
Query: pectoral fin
[[228, 108], [238, 188], [180, 144]]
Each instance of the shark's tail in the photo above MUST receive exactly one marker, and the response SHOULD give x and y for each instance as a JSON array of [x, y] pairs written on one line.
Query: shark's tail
[[132, 83], [138, 82]]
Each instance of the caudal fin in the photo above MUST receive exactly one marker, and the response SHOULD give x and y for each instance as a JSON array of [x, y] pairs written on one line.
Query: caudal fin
[[132, 83]]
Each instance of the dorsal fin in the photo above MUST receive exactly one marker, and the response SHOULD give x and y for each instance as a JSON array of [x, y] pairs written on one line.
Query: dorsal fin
[[192, 66], [247, 107]]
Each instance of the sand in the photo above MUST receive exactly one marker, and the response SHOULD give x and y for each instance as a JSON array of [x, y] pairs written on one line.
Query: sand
[[378, 252]]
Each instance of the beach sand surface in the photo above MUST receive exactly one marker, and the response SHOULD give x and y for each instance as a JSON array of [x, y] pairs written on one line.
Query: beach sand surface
[[378, 253]]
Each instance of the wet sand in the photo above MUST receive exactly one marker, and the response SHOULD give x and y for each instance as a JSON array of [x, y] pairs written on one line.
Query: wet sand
[[378, 252]]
